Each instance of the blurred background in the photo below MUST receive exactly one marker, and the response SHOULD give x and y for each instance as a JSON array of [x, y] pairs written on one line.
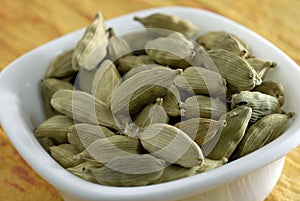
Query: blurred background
[[25, 25]]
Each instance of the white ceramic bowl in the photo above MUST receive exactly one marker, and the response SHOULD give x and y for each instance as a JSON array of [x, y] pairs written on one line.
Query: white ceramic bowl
[[250, 178]]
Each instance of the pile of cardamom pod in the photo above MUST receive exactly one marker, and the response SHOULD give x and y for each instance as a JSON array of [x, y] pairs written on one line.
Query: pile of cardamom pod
[[157, 105]]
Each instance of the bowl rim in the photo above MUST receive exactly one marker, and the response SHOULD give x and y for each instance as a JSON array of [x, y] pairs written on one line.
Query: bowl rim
[[175, 189]]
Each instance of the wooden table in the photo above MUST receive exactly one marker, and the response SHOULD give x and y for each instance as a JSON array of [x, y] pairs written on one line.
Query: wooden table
[[25, 25]]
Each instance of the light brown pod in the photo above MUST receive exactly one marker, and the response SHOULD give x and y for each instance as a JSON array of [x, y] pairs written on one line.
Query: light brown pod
[[201, 130], [55, 128], [91, 48], [132, 170], [225, 142], [170, 22], [171, 144], [83, 107], [203, 106]]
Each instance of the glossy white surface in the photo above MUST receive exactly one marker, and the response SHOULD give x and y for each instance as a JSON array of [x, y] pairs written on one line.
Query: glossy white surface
[[249, 178]]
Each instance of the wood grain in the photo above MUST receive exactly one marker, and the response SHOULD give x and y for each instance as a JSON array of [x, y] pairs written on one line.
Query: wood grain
[[27, 24]]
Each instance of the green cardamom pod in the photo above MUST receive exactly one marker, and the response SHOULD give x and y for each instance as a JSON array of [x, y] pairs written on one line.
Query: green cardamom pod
[[55, 128], [210, 164], [84, 79], [82, 135], [172, 101], [105, 80], [262, 132], [173, 50], [272, 88], [63, 154], [48, 88], [153, 113], [131, 96], [236, 70], [171, 144], [105, 149], [261, 104], [169, 22], [91, 48], [61, 66], [198, 80], [261, 66], [131, 170], [83, 107], [82, 170], [203, 106], [117, 46], [201, 130], [225, 142], [129, 62]]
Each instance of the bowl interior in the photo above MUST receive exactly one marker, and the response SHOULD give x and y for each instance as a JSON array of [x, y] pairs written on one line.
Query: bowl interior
[[21, 106]]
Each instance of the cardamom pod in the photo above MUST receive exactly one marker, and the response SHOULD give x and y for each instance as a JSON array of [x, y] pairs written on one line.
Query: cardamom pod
[[272, 88], [171, 144], [203, 106], [82, 170], [173, 50], [82, 135], [129, 62], [131, 170], [210, 164], [153, 113], [117, 46], [83, 79], [83, 107], [142, 89], [105, 80], [201, 130], [91, 48], [261, 65], [140, 69], [202, 59], [170, 22], [55, 128], [236, 70], [263, 132], [105, 149], [61, 66], [210, 39], [230, 43], [48, 88], [172, 101], [198, 80], [63, 154], [226, 141], [261, 104], [46, 142], [174, 172]]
